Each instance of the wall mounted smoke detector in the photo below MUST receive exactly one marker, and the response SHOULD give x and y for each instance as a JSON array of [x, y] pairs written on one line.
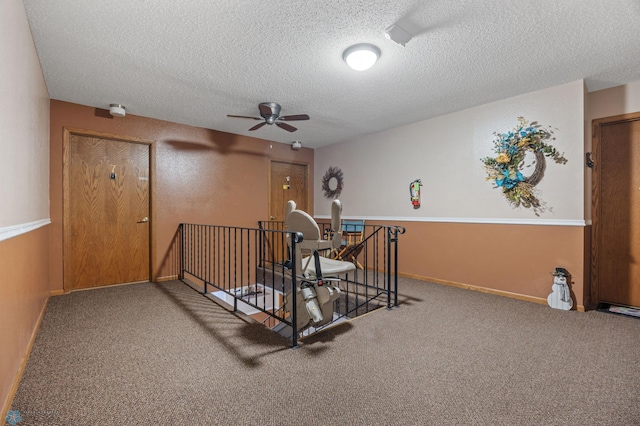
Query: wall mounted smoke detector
[[117, 110], [296, 145], [398, 34]]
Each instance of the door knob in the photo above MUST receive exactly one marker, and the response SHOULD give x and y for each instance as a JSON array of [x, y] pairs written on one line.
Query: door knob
[[272, 218], [143, 220]]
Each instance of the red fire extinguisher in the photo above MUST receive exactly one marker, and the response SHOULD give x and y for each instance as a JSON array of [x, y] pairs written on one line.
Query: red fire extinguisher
[[414, 189]]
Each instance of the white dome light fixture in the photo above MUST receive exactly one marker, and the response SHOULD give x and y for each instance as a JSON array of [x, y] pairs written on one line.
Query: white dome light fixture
[[361, 57]]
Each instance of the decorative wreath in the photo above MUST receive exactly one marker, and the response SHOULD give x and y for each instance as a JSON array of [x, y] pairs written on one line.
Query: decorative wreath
[[505, 169], [332, 173]]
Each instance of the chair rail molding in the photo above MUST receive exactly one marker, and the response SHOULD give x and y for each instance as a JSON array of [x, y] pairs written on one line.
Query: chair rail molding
[[23, 228]]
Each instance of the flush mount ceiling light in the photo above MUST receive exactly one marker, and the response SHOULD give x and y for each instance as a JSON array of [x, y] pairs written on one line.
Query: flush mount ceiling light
[[361, 57], [398, 34]]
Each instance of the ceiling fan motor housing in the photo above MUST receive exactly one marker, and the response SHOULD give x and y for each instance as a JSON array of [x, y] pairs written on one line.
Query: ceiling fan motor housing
[[270, 111]]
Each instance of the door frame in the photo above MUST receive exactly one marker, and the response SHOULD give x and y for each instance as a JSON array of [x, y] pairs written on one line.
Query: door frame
[[596, 148], [66, 188]]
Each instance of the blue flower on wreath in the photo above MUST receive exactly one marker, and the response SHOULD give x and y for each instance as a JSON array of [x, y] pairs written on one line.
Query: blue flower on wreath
[[13, 417], [508, 182], [507, 136]]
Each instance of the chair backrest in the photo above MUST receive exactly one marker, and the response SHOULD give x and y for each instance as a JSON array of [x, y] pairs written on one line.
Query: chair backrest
[[291, 206], [352, 231], [301, 221]]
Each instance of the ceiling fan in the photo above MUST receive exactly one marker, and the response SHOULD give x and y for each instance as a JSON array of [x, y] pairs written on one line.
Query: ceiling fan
[[270, 113]]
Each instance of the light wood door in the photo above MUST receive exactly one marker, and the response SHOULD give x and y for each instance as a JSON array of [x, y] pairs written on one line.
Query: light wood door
[[108, 212], [617, 214], [287, 181]]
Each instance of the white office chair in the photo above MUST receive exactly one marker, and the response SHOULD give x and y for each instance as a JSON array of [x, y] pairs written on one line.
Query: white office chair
[[319, 276]]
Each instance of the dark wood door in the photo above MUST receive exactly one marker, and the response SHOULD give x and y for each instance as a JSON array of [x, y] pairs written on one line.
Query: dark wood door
[[108, 212], [618, 213], [287, 181]]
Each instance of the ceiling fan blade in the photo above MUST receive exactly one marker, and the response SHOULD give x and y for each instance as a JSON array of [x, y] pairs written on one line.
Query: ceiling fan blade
[[287, 127], [244, 116], [294, 117], [257, 126]]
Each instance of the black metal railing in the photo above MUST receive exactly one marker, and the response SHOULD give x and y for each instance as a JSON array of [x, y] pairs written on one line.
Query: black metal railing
[[253, 269], [225, 264], [375, 253]]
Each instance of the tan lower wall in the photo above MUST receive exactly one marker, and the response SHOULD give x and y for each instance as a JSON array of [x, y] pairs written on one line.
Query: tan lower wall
[[24, 291], [515, 260]]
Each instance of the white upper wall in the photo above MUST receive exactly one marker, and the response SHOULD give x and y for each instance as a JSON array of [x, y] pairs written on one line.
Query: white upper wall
[[24, 123], [445, 152]]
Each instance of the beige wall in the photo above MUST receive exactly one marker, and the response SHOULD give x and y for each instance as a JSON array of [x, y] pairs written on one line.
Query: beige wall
[[24, 115], [24, 215], [465, 232], [445, 153], [198, 175], [615, 101]]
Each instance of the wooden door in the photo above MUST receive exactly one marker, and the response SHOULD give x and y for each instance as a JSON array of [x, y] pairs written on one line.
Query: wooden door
[[616, 212], [106, 212], [287, 181]]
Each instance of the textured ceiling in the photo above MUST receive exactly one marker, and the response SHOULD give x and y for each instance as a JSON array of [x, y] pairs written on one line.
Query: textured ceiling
[[195, 61]]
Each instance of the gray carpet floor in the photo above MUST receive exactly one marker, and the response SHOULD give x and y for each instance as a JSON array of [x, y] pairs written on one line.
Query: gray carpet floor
[[161, 354]]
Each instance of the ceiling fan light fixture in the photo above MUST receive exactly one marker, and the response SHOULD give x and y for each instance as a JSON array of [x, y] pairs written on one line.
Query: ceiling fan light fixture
[[361, 57]]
